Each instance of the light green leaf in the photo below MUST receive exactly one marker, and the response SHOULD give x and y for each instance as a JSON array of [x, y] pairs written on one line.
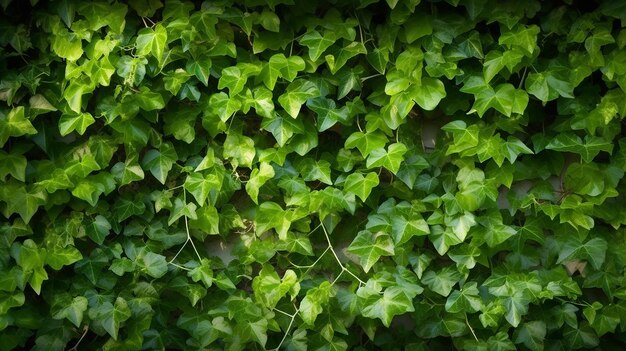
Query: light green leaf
[[465, 300], [240, 149], [588, 149], [200, 185], [393, 302], [152, 41], [429, 93], [98, 229], [233, 79], [359, 185], [369, 247], [317, 43], [504, 98], [258, 177], [78, 123], [313, 303], [296, 94], [391, 158], [14, 124], [366, 142]]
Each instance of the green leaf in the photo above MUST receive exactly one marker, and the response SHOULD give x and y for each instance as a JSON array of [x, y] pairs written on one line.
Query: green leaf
[[14, 124], [200, 185], [317, 43], [111, 315], [391, 303], [153, 264], [522, 36], [327, 113], [369, 247], [126, 173], [313, 303], [98, 229], [588, 149], [282, 128], [13, 164], [593, 251], [443, 281], [72, 309], [258, 177], [466, 300], [531, 334], [152, 41], [504, 99], [240, 149], [378, 58], [59, 257], [233, 79], [359, 185], [271, 216], [182, 209], [22, 201], [296, 94], [391, 158], [429, 93], [159, 162], [270, 289], [366, 142]]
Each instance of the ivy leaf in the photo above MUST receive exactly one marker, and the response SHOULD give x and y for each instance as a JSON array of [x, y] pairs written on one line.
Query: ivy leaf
[[233, 79], [98, 229], [317, 43], [64, 307], [296, 94], [443, 281], [340, 57], [504, 98], [593, 251], [522, 36], [359, 185], [14, 124], [126, 173], [13, 164], [393, 302], [366, 142], [160, 162], [200, 185], [429, 93], [271, 215], [152, 41], [588, 149], [378, 58], [312, 304], [465, 300], [282, 128], [111, 315], [327, 112], [369, 247], [240, 149], [78, 122], [390, 158], [550, 84], [258, 177], [181, 209], [270, 289], [531, 334], [22, 201]]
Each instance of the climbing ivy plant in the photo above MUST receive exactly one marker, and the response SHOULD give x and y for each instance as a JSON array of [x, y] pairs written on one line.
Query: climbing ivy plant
[[312, 175]]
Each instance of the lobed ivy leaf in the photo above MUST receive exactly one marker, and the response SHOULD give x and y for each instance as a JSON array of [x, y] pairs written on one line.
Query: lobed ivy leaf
[[370, 247]]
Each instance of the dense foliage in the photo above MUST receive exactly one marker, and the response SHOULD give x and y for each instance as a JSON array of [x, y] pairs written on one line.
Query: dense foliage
[[285, 174]]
